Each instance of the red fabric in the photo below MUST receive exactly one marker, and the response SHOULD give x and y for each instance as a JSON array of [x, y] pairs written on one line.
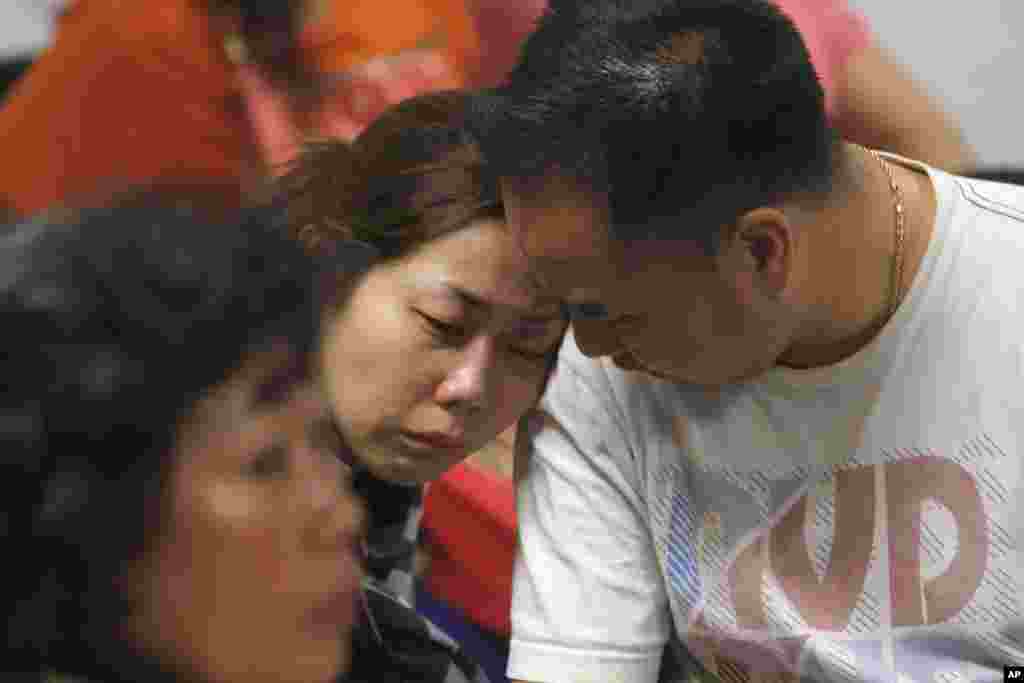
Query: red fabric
[[360, 97], [470, 515], [130, 92], [136, 92]]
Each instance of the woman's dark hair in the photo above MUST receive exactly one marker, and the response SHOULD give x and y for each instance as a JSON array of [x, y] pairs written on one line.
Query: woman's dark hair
[[117, 320], [413, 175]]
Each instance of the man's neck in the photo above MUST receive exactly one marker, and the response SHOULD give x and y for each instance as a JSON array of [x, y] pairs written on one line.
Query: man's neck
[[849, 295]]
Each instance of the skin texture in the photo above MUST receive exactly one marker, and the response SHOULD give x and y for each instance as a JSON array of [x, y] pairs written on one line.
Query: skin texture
[[802, 284], [408, 354], [260, 537], [565, 235]]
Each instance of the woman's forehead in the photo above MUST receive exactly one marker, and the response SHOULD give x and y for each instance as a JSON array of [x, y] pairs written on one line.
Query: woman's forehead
[[525, 303], [482, 267]]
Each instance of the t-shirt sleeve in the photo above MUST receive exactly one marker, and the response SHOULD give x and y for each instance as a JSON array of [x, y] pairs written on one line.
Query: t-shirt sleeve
[[588, 601], [832, 32]]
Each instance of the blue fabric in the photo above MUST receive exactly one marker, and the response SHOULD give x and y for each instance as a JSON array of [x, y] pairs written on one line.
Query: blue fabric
[[488, 649]]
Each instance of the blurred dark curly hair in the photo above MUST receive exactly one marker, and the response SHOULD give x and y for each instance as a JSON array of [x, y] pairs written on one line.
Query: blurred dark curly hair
[[116, 321]]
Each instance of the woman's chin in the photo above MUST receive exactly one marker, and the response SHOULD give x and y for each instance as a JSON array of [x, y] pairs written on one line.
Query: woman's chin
[[321, 668], [402, 470], [404, 465], [319, 657]]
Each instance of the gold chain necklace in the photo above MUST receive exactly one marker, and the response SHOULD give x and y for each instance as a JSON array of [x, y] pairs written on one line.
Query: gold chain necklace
[[896, 276]]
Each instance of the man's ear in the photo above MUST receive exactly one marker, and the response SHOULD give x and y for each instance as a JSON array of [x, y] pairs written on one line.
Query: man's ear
[[761, 244]]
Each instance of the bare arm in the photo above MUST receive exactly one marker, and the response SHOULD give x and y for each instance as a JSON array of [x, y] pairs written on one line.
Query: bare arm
[[880, 104]]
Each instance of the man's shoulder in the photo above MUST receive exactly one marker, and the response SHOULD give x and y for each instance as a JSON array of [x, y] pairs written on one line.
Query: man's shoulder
[[987, 222], [1000, 199]]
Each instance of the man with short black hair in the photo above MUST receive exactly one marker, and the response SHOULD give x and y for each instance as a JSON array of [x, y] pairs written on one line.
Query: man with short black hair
[[793, 452]]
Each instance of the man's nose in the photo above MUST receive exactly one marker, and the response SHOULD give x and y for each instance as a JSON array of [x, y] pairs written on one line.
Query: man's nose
[[596, 337]]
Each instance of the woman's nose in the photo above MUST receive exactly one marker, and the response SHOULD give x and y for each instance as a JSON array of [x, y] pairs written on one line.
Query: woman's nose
[[467, 382]]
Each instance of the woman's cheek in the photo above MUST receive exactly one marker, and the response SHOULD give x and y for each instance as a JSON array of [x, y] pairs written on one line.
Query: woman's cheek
[[231, 505]]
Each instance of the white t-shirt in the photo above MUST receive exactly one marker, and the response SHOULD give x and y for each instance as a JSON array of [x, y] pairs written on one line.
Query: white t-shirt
[[26, 26], [858, 522]]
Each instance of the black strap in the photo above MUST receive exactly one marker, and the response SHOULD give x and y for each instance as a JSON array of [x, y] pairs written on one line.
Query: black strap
[[394, 644]]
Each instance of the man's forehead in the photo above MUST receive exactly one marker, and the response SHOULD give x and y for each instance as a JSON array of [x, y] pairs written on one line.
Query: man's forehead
[[555, 221]]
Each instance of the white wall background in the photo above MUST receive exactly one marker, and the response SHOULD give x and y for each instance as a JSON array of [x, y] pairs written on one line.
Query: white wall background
[[25, 26], [971, 56]]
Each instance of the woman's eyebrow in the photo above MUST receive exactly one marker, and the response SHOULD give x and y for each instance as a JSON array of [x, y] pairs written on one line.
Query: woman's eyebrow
[[477, 301]]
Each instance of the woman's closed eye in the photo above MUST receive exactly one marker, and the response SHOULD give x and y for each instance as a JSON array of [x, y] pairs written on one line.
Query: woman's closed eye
[[531, 355], [535, 339], [527, 341], [449, 332], [533, 350]]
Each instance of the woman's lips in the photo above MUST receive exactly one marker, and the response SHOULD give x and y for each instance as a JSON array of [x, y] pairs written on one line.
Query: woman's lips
[[436, 440]]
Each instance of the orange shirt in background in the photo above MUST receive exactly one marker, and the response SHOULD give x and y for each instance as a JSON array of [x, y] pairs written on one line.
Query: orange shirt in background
[[367, 29], [142, 92]]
